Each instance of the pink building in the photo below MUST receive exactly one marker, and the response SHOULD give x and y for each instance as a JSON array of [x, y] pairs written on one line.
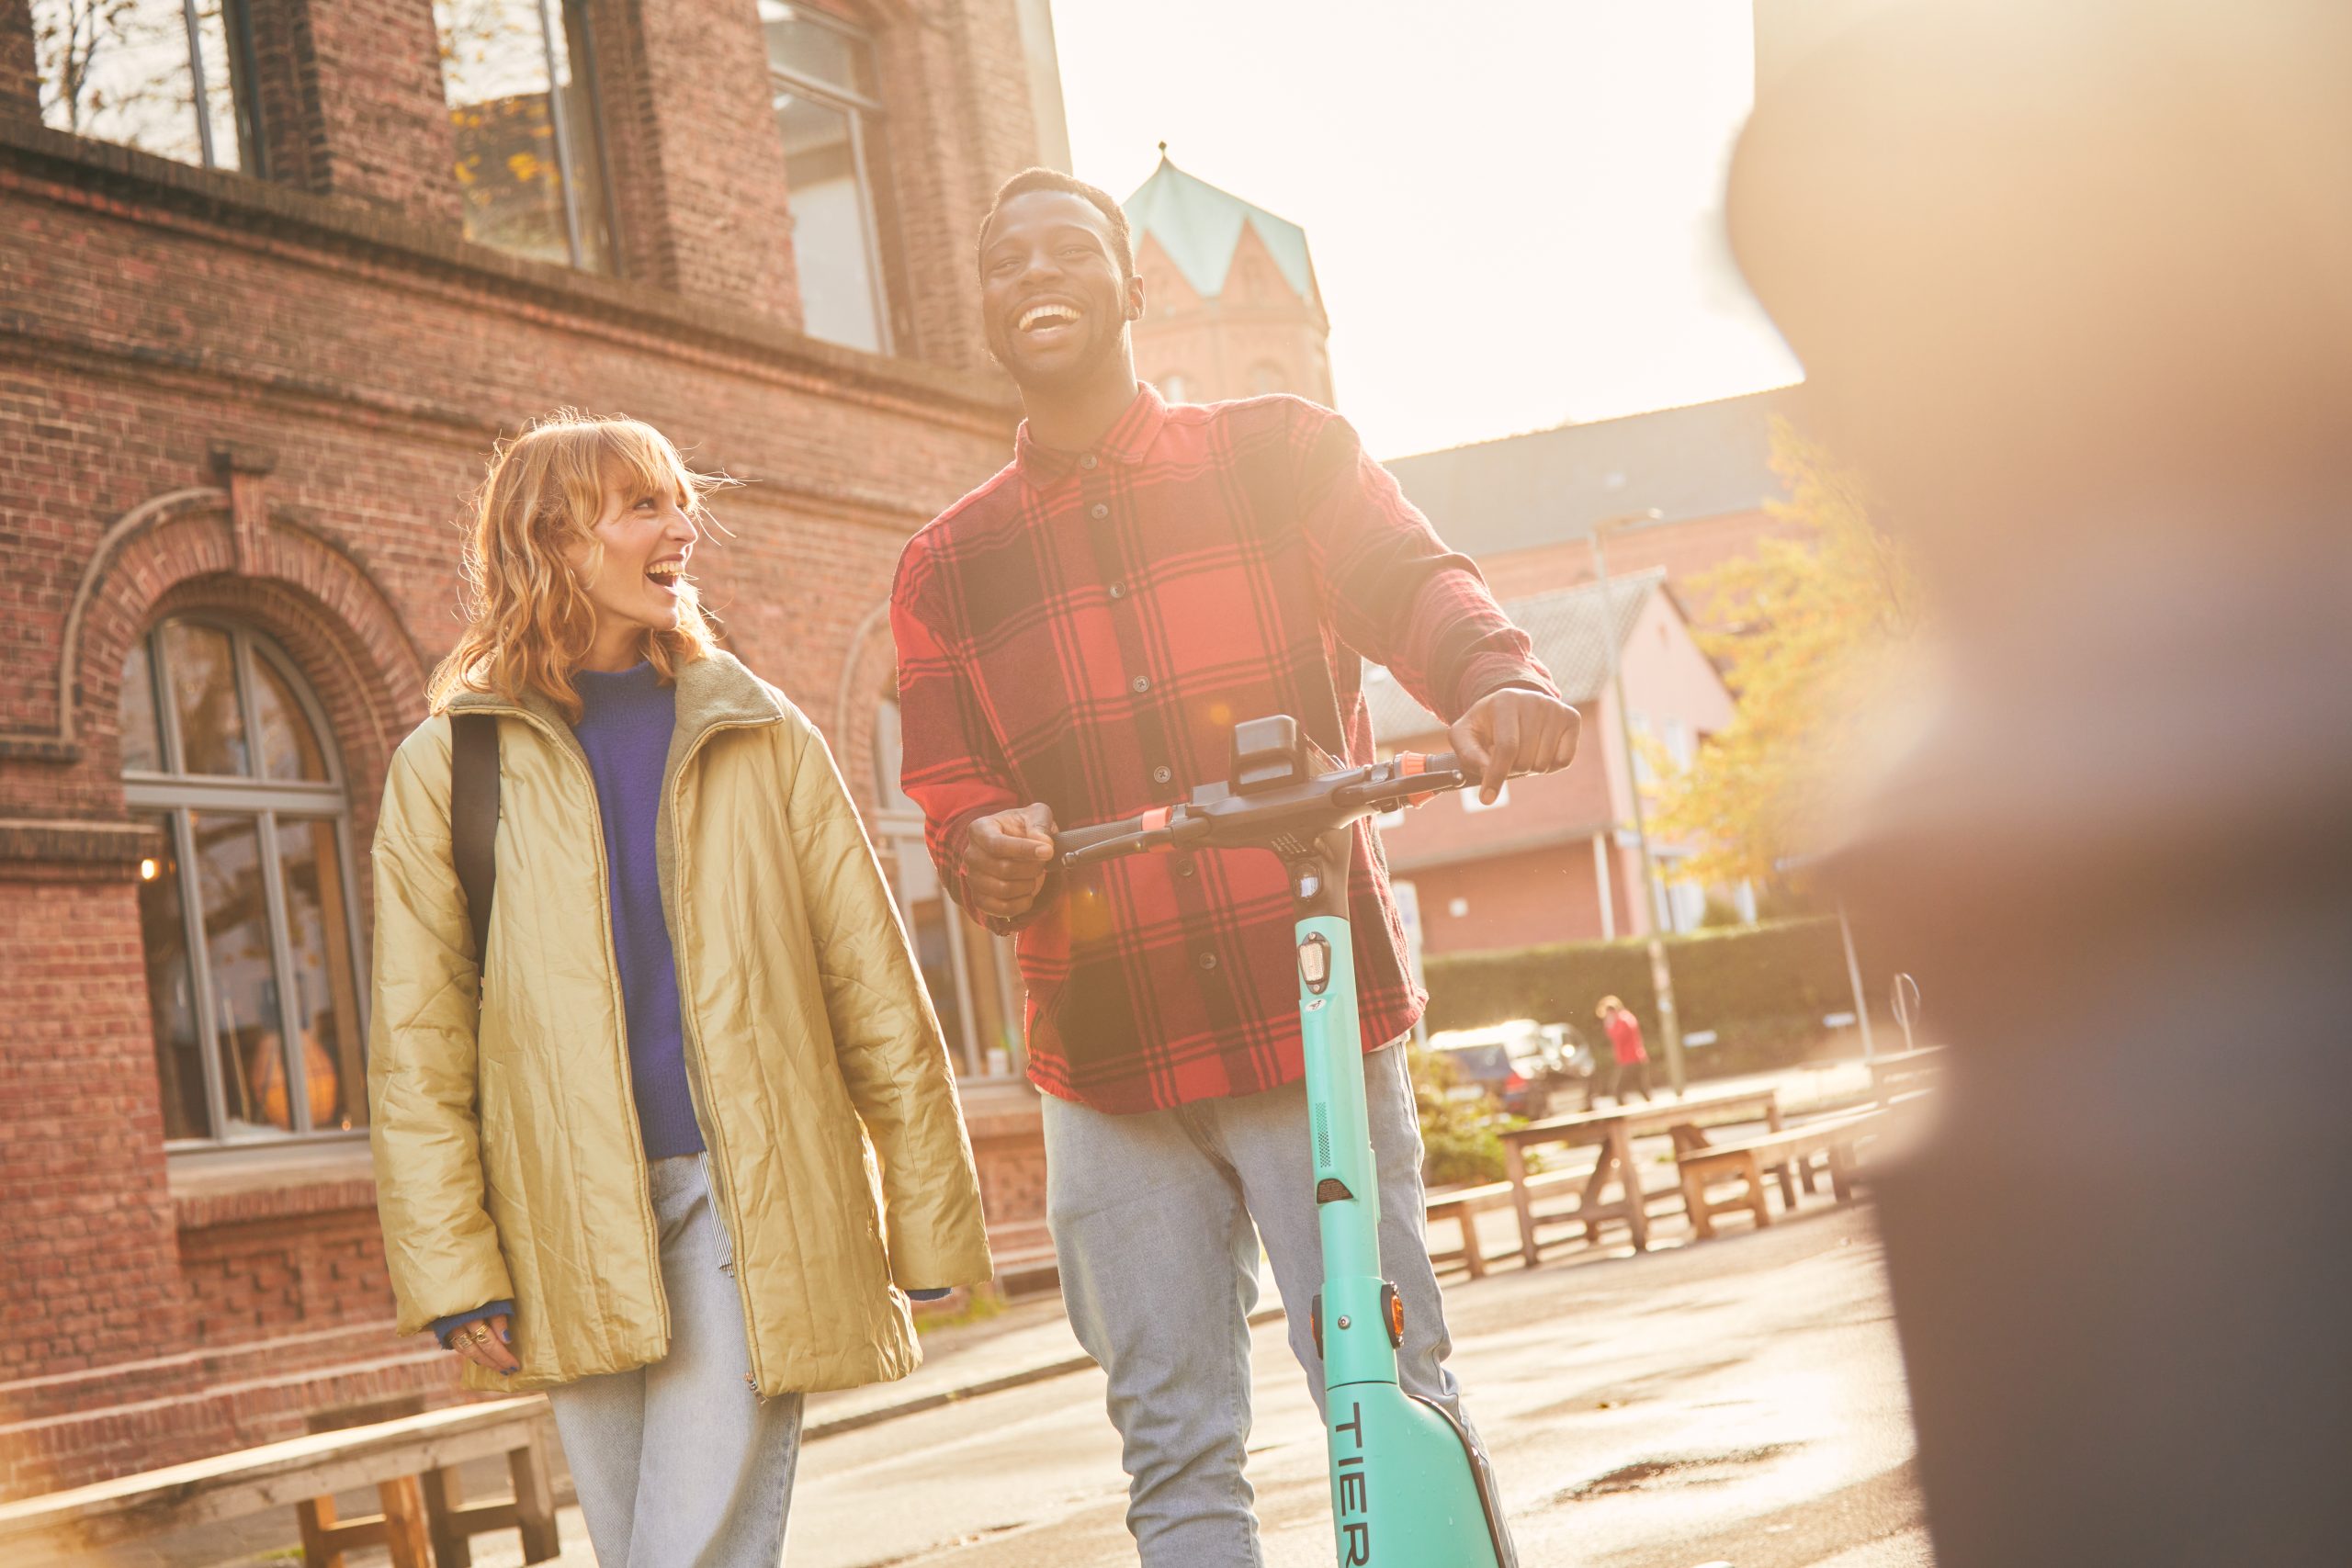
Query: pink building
[[1554, 859]]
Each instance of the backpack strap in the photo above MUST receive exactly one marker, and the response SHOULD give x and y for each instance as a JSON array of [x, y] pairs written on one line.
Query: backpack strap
[[473, 817]]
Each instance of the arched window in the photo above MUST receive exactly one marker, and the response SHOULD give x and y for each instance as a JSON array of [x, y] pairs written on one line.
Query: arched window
[[248, 916]]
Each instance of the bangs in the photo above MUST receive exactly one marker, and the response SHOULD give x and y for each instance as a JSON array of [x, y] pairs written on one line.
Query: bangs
[[639, 460]]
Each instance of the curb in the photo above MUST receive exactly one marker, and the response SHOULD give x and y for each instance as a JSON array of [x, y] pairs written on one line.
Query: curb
[[1042, 1372]]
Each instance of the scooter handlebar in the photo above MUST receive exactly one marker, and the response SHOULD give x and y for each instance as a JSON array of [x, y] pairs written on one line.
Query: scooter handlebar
[[1071, 840]]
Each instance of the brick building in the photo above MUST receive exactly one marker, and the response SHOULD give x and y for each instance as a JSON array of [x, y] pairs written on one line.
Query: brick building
[[1553, 860], [275, 276], [1231, 309]]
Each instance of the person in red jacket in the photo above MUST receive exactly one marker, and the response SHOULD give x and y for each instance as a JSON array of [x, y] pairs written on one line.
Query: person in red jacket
[[1625, 1043]]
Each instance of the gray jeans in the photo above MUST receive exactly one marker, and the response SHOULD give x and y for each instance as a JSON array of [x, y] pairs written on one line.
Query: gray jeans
[[1151, 1216], [679, 1464]]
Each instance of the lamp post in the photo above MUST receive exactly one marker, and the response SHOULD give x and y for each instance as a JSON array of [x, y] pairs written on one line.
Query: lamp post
[[1669, 1023]]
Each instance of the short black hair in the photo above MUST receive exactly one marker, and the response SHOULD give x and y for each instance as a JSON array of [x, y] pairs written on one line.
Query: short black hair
[[1028, 180]]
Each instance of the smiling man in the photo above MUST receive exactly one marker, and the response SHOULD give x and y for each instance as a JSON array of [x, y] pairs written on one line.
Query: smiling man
[[1077, 638]]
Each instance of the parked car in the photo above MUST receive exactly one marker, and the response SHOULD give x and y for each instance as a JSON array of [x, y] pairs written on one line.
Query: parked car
[[1526, 1068]]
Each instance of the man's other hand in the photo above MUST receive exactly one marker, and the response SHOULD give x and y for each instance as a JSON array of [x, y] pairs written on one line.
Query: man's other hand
[[1006, 857], [1513, 731]]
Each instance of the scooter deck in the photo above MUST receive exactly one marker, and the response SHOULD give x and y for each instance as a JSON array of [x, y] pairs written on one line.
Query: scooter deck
[[1403, 1487]]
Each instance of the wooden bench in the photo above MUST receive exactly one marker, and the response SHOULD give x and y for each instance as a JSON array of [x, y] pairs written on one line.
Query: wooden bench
[[411, 1461], [1615, 1131], [1464, 1204], [1787, 1155], [1897, 1072]]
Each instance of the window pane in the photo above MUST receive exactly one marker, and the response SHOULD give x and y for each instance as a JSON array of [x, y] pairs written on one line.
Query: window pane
[[495, 74], [245, 1030], [814, 51], [326, 993], [584, 157], [125, 71], [142, 744], [204, 690], [171, 991], [289, 746], [829, 235]]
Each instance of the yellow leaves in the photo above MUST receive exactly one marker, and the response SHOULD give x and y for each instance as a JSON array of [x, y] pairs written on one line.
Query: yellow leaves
[[1819, 619]]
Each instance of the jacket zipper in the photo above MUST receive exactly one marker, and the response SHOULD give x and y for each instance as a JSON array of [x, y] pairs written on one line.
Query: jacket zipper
[[698, 1066], [620, 1007]]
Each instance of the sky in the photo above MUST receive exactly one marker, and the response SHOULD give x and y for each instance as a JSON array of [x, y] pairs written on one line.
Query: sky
[[1514, 206]]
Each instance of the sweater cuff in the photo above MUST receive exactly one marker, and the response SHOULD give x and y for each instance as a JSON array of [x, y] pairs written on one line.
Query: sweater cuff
[[445, 1326]]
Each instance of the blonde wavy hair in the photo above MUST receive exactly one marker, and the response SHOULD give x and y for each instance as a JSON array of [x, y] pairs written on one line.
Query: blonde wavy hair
[[528, 619]]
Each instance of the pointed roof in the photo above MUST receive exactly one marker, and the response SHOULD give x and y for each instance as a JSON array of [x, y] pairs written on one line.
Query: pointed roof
[[1200, 227], [1570, 637]]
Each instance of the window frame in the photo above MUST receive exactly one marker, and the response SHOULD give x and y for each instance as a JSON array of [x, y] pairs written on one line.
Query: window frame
[[856, 107], [580, 36], [240, 62], [178, 795]]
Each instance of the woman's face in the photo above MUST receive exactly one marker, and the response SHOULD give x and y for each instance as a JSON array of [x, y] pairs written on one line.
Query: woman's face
[[633, 577]]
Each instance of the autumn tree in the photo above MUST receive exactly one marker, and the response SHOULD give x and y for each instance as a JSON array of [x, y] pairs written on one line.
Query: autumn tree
[[1821, 624]]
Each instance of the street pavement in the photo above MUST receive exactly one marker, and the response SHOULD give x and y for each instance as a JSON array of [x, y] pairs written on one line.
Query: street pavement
[[1737, 1403]]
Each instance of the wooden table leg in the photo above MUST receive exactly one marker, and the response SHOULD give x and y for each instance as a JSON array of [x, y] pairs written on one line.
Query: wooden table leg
[[534, 1502], [1629, 1180], [1791, 1169], [405, 1535], [1474, 1257], [1757, 1204], [445, 1492], [1841, 1171], [1694, 1204], [1589, 1204], [1515, 1168], [316, 1516]]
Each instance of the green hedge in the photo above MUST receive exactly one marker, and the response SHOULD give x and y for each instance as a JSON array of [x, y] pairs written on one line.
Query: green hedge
[[1763, 989]]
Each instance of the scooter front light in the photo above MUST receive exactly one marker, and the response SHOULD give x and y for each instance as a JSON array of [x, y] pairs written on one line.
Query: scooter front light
[[1315, 964]]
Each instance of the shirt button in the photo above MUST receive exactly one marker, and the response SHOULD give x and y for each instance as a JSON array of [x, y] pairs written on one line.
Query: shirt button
[[1099, 509], [1118, 590], [1208, 960], [1184, 868], [1086, 461], [1162, 774], [1140, 684]]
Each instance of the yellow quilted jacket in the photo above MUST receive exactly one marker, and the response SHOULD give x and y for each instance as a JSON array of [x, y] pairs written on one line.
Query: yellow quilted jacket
[[508, 1163]]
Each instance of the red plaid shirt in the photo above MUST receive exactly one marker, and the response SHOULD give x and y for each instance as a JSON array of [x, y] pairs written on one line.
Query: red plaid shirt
[[1085, 630]]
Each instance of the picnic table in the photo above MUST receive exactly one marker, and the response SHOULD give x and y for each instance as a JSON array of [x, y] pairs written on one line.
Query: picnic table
[[1615, 1131], [411, 1462]]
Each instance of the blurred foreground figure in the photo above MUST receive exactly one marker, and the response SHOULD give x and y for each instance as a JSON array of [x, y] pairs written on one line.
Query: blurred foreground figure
[[2072, 284]]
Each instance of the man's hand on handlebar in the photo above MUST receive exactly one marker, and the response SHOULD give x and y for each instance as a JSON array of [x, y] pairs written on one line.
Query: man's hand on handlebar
[[1513, 731], [1006, 857]]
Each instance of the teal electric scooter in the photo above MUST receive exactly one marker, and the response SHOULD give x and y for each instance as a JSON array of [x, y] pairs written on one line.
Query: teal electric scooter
[[1409, 1488]]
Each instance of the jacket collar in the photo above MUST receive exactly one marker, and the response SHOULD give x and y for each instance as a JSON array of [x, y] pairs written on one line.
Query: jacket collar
[[1128, 441], [715, 692]]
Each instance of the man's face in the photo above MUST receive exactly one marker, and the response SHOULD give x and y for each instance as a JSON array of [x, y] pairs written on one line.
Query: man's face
[[1053, 305]]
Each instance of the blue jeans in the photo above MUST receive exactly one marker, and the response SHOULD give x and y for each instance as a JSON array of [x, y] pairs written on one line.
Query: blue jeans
[[681, 1463], [1152, 1220]]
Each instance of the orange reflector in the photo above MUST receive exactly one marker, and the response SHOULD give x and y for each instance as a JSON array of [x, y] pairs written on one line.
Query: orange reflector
[[1395, 1318]]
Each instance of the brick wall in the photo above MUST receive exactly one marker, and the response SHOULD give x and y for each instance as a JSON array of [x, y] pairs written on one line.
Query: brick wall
[[269, 401], [1220, 346], [86, 1220]]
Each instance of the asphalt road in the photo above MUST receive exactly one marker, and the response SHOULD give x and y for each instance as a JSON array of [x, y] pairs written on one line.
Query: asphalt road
[[1739, 1403]]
